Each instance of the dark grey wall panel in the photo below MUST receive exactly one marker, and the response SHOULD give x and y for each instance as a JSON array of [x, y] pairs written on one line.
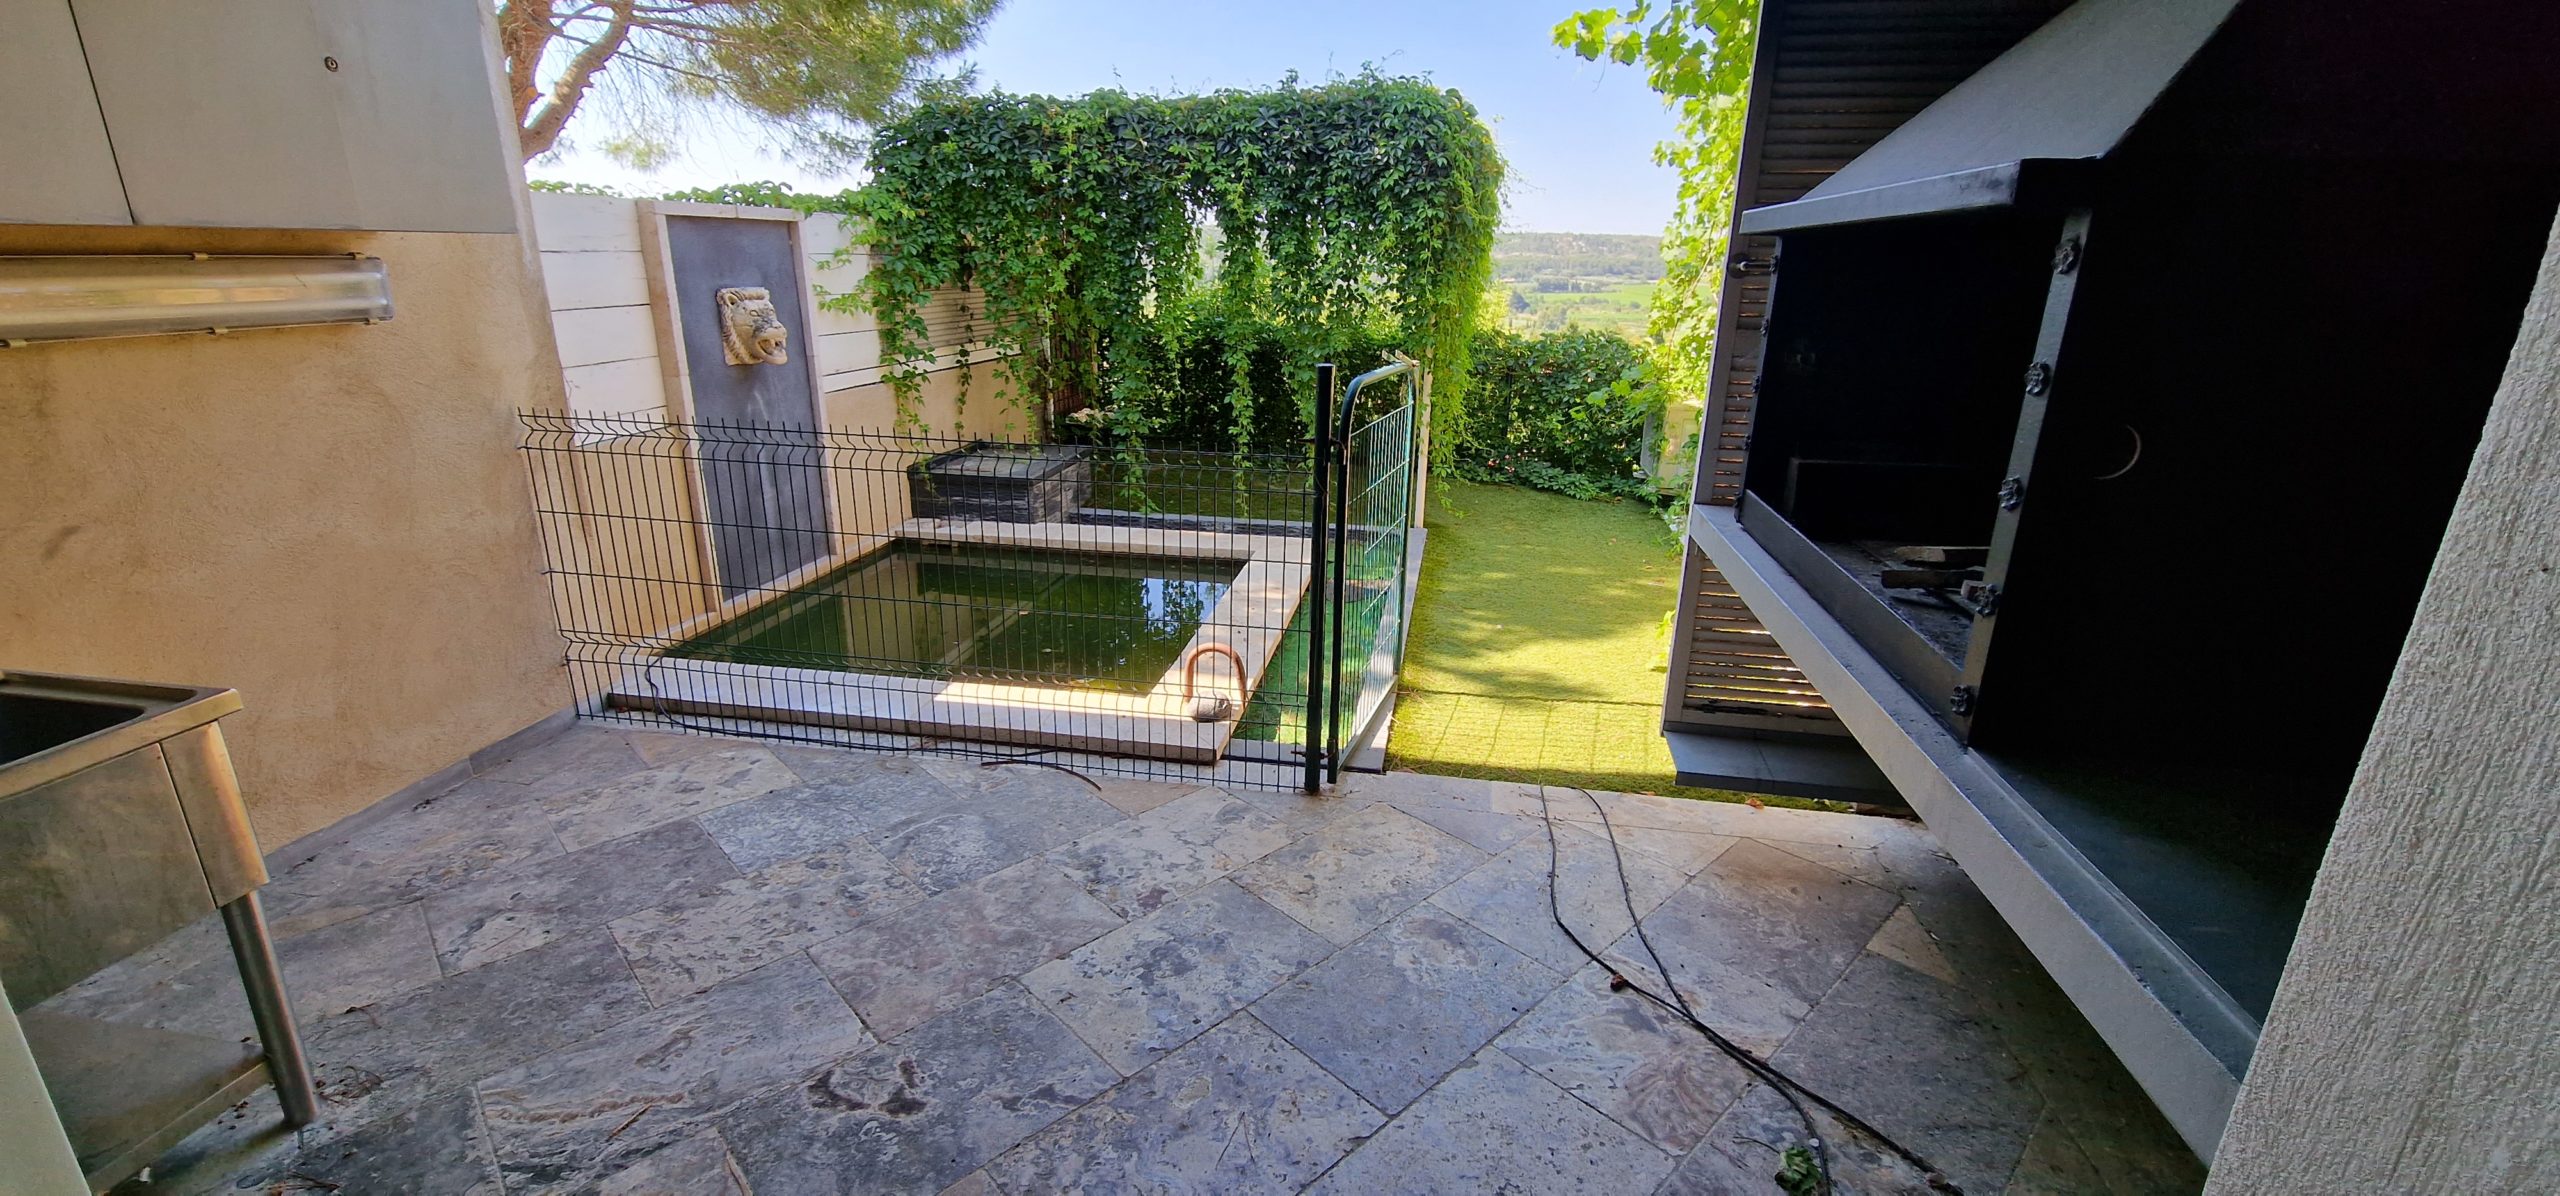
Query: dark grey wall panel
[[362, 114], [767, 493]]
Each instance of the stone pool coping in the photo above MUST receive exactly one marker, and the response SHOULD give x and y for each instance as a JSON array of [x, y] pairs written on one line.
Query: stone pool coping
[[1271, 579]]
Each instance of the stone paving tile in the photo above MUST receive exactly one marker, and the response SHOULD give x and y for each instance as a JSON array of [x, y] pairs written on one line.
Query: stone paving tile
[[974, 1183], [1006, 818], [651, 797], [1766, 914], [708, 936], [1133, 797], [499, 914], [1894, 864], [376, 1059], [1237, 1112], [434, 1143], [1689, 850], [1743, 1152], [1484, 830], [437, 1145], [129, 980], [1394, 1012], [2085, 1087], [1508, 898], [1414, 790], [2052, 1164], [191, 984], [185, 982], [920, 1113], [582, 755], [1909, 1054], [1739, 820], [903, 968], [229, 1154], [1138, 864], [826, 761], [356, 962], [477, 827], [1302, 813], [696, 1164], [662, 748], [1351, 876], [849, 801], [561, 1121], [1629, 1058], [2123, 1136], [1150, 986], [1905, 941], [1494, 1126], [1756, 939]]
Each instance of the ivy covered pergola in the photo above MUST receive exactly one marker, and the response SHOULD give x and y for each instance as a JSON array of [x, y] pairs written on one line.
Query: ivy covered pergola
[[1119, 238]]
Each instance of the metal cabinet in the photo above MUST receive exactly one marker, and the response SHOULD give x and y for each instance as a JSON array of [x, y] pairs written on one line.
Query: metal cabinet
[[376, 115], [60, 169]]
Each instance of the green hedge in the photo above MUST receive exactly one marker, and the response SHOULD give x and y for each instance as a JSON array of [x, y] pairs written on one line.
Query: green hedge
[[1562, 411]]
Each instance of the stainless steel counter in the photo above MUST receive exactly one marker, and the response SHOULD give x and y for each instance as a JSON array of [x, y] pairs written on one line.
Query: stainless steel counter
[[121, 822]]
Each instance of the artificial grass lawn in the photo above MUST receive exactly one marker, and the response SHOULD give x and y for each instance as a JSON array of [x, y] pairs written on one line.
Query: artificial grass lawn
[[1538, 646]]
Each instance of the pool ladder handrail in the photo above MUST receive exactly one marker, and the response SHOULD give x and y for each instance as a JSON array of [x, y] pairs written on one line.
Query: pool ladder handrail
[[1191, 675]]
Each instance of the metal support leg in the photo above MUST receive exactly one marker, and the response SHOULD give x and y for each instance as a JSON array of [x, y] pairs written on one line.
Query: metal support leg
[[268, 1004]]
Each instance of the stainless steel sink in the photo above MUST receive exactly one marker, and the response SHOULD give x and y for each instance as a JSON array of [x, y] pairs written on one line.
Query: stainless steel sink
[[121, 822], [30, 723]]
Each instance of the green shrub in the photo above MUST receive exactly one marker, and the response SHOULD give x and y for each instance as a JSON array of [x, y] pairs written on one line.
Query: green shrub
[[1563, 411]]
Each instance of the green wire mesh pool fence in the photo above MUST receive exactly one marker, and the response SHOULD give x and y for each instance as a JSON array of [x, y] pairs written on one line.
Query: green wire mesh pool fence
[[1152, 612]]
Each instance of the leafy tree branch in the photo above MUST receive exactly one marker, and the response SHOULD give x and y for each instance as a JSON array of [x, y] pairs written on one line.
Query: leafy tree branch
[[817, 71], [1697, 54]]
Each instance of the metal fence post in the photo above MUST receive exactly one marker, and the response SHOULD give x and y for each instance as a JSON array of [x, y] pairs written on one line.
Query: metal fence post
[[1319, 703]]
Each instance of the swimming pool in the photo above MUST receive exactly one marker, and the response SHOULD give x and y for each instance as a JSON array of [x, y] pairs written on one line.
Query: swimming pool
[[1023, 616]]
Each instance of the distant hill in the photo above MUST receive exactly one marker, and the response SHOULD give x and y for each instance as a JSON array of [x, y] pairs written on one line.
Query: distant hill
[[1548, 261], [1591, 280]]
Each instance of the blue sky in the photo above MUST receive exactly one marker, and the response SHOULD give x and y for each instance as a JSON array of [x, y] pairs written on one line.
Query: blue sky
[[1579, 136]]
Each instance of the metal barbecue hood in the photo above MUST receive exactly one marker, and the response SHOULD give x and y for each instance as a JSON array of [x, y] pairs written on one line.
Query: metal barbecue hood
[[2026, 129]]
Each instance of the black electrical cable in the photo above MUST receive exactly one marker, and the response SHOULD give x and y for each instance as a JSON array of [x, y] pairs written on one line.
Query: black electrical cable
[[1024, 758], [1787, 1087]]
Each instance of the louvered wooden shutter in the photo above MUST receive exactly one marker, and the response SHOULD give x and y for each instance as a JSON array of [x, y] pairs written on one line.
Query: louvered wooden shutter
[[1829, 80]]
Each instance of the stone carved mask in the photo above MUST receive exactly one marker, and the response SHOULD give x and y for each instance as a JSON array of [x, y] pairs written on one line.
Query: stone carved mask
[[751, 331]]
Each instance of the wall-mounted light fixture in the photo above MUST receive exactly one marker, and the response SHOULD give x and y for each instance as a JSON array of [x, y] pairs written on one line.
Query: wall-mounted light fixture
[[79, 297]]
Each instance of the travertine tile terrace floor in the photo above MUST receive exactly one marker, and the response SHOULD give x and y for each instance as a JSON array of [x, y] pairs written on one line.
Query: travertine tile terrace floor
[[629, 963]]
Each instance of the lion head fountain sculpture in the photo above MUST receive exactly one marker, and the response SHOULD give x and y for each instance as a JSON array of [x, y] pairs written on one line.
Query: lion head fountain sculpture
[[751, 331]]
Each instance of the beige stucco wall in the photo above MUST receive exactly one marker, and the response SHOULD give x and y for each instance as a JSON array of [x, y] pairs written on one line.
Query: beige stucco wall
[[988, 410], [331, 520], [2414, 1045]]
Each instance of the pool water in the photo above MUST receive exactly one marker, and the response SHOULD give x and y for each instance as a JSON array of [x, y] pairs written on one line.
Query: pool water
[[1070, 620]]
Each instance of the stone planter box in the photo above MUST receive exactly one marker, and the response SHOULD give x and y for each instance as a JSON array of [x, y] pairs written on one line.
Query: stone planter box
[[1011, 483]]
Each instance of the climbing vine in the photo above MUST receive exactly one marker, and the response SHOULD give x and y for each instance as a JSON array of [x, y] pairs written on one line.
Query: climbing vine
[[1116, 236], [1697, 55]]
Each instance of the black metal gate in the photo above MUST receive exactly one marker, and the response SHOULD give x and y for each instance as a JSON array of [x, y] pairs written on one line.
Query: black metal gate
[[1364, 469]]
